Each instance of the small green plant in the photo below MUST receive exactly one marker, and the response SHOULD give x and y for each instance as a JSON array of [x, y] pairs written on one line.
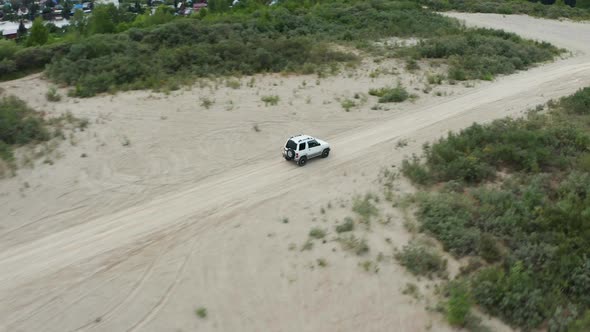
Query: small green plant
[[317, 233], [256, 128], [53, 95], [322, 262], [201, 312], [270, 100], [346, 226], [348, 104]]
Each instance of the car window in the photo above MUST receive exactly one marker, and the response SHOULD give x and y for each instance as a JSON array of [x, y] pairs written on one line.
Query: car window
[[291, 145], [313, 144], [301, 146]]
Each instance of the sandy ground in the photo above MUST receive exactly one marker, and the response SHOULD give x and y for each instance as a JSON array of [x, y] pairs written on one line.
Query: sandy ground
[[176, 206]]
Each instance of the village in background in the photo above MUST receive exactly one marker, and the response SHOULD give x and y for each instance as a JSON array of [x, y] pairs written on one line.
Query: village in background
[[17, 16]]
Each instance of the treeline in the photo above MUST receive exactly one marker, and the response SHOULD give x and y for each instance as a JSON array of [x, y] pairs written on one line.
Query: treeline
[[514, 196], [572, 9]]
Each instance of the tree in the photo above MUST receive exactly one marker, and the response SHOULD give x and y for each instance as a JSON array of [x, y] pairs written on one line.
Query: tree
[[219, 6], [67, 8], [22, 30], [101, 20], [78, 21], [39, 33]]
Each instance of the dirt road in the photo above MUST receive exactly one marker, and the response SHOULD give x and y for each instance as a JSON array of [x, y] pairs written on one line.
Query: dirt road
[[218, 242]]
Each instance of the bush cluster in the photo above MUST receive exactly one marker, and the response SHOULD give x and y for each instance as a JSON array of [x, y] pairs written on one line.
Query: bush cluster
[[485, 53], [531, 226], [19, 124]]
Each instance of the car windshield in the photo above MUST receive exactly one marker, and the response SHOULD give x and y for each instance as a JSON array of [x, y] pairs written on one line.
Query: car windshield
[[291, 145]]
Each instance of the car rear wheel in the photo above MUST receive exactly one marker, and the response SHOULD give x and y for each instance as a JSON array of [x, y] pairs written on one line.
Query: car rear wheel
[[325, 153], [290, 154], [302, 161]]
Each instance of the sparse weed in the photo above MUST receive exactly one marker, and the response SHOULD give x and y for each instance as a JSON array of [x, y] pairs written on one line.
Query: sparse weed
[[354, 244], [207, 102]]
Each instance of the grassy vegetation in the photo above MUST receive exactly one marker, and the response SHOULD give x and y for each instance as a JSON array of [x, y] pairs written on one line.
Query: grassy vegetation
[[19, 125], [510, 7], [115, 51], [483, 53], [317, 233], [270, 100], [531, 225], [422, 260], [52, 95], [346, 226], [397, 94]]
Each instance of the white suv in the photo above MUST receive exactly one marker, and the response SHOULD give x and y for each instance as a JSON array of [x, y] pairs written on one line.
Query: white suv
[[303, 147]]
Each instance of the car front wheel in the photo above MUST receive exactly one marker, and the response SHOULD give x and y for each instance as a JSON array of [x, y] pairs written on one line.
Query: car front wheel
[[325, 153]]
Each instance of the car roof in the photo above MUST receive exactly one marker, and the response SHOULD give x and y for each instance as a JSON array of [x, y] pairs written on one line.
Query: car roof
[[301, 138]]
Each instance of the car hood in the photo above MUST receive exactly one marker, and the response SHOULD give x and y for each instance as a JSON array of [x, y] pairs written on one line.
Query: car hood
[[322, 142]]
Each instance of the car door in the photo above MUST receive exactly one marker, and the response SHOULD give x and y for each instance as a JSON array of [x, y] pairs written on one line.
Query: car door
[[315, 148], [302, 151]]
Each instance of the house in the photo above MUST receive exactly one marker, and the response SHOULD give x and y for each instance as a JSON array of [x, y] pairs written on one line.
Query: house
[[198, 6], [10, 33]]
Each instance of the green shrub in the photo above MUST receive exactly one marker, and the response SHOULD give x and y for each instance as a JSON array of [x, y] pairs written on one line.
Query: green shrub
[[533, 219], [348, 104], [435, 79], [459, 304], [422, 260], [317, 233], [270, 100], [156, 51], [389, 95], [582, 324], [415, 171], [578, 103], [20, 124], [488, 248], [52, 94], [484, 53], [346, 226]]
